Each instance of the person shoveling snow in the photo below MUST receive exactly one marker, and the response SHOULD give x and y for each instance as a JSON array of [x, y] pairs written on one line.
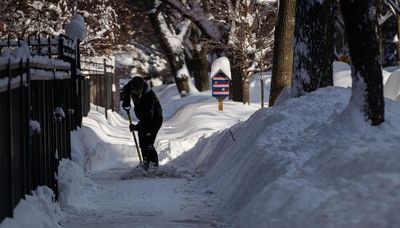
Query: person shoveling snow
[[149, 112]]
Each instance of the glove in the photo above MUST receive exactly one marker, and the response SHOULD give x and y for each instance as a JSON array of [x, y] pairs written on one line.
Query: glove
[[126, 105], [133, 127]]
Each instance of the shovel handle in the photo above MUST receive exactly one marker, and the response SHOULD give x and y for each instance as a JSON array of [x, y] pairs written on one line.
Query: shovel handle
[[134, 135]]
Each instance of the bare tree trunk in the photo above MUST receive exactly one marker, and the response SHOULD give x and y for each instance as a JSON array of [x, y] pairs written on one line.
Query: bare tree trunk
[[283, 50], [367, 88], [175, 62], [398, 37], [246, 91], [198, 60], [341, 49], [236, 88], [200, 69], [378, 6], [389, 31], [313, 51]]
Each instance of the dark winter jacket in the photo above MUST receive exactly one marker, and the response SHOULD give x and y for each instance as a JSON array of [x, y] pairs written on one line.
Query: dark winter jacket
[[147, 108]]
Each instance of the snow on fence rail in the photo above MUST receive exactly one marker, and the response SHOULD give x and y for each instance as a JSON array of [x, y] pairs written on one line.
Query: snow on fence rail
[[44, 44], [42, 99]]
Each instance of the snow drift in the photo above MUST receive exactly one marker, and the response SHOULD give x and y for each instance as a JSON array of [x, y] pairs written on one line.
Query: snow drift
[[38, 210], [310, 162]]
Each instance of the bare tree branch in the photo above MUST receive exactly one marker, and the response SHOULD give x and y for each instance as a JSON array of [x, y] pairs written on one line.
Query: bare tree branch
[[210, 29]]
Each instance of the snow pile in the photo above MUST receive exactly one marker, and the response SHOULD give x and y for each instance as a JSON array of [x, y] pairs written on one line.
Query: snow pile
[[74, 187], [164, 171], [34, 127], [309, 162], [94, 146], [37, 210], [76, 28], [255, 87], [189, 119], [184, 73], [392, 86], [342, 76]]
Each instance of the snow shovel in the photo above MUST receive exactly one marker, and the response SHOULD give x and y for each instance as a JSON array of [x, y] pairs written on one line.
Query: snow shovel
[[134, 136]]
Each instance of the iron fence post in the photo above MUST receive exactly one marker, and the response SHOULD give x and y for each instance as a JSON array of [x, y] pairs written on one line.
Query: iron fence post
[[11, 173]]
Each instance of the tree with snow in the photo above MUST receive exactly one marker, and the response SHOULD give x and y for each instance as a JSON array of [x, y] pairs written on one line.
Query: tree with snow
[[250, 43], [367, 89], [21, 18], [232, 29], [171, 31], [313, 47], [104, 26], [139, 51]]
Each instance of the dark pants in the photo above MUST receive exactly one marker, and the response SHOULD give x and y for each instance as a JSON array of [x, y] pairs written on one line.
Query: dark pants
[[146, 142]]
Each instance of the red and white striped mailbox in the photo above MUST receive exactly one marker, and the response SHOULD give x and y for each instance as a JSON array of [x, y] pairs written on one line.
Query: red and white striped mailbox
[[220, 85]]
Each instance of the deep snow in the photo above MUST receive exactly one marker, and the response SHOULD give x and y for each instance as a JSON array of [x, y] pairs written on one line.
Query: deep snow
[[307, 162]]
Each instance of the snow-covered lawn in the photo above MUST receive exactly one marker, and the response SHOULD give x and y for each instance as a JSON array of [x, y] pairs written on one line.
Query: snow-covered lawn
[[307, 162]]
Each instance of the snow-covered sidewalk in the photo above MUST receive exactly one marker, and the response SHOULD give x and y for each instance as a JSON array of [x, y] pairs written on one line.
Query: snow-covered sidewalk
[[102, 187], [146, 202]]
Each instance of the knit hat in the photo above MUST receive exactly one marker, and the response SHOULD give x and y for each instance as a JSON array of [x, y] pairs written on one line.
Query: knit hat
[[137, 84]]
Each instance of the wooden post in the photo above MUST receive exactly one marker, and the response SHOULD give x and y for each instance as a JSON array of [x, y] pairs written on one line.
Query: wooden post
[[220, 104], [105, 87], [262, 90]]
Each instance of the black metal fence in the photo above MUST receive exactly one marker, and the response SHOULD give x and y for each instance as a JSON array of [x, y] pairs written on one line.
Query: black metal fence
[[41, 101], [100, 75]]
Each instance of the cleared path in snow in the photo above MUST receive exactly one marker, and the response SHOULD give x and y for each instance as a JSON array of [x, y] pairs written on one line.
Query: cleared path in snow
[[146, 202], [179, 201]]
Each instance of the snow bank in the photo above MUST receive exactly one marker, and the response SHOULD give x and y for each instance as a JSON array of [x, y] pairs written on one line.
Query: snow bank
[[342, 78], [74, 187], [188, 119], [255, 87], [184, 72], [306, 163], [392, 86], [37, 210], [94, 146]]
